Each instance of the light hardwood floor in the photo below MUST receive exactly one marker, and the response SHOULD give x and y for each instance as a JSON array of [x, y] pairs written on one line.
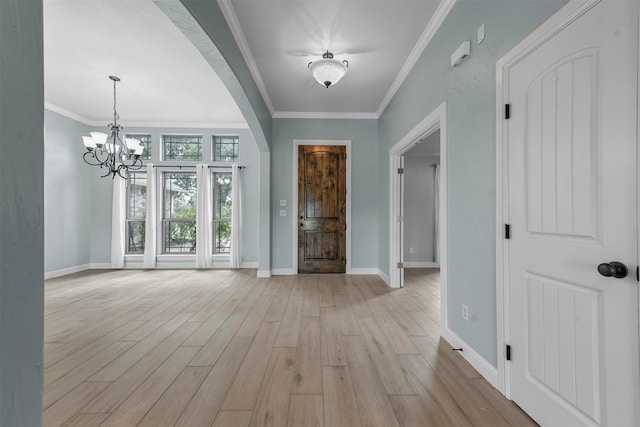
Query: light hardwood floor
[[224, 348]]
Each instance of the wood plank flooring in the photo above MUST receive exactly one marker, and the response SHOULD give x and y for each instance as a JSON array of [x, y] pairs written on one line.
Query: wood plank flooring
[[223, 348]]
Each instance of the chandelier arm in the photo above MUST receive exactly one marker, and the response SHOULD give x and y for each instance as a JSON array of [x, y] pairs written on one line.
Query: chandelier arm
[[109, 171], [95, 154], [118, 171]]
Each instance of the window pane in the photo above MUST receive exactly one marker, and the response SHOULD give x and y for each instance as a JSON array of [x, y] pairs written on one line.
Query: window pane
[[179, 213], [137, 195], [135, 237], [222, 195], [222, 212], [145, 141], [182, 147], [179, 237], [225, 148], [180, 195], [136, 211], [222, 236]]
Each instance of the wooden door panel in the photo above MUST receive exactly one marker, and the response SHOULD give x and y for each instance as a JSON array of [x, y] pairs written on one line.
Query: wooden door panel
[[321, 209]]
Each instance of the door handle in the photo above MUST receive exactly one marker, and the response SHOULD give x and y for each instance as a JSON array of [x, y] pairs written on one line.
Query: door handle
[[613, 269], [301, 225]]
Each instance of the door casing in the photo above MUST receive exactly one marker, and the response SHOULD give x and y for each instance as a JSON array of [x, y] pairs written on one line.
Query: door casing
[[294, 197], [437, 119]]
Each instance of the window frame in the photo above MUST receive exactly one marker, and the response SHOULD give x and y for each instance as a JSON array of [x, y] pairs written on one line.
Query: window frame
[[216, 171], [214, 145], [162, 206], [163, 153], [128, 218]]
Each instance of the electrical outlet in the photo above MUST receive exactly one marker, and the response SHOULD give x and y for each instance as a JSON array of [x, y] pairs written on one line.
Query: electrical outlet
[[465, 312], [283, 212], [410, 250]]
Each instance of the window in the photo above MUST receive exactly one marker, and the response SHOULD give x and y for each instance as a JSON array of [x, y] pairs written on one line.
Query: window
[[225, 148], [136, 212], [145, 141], [179, 213], [184, 147], [221, 212]]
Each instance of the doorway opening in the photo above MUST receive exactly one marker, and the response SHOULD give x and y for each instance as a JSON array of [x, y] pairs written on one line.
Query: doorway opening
[[434, 126]]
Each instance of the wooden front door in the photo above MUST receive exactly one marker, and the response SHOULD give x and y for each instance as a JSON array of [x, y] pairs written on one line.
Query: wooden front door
[[322, 217]]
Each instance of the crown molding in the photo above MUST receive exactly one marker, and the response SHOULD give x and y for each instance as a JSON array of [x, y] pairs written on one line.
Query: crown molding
[[436, 20], [198, 125], [234, 25], [73, 116], [142, 124], [324, 115]]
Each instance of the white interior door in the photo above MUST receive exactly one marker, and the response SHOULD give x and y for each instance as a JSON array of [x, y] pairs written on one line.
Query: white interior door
[[401, 219], [572, 206]]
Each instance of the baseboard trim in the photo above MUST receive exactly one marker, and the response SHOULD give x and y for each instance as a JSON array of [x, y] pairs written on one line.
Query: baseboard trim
[[264, 274], [421, 265], [384, 277], [284, 272], [480, 364], [66, 271], [363, 271], [250, 265], [100, 266]]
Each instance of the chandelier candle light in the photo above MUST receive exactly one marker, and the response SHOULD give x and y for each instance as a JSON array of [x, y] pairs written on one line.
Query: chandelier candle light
[[112, 152], [328, 71]]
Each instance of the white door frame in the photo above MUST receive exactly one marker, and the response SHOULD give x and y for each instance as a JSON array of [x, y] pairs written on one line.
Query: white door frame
[[437, 119], [294, 196], [638, 162], [566, 15]]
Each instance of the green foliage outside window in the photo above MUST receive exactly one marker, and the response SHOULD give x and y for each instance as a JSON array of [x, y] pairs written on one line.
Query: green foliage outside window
[[225, 148], [186, 147], [179, 212], [136, 212], [222, 208]]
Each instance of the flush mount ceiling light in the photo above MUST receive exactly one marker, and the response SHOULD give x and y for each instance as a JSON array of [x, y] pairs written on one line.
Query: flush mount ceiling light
[[111, 152], [328, 71]]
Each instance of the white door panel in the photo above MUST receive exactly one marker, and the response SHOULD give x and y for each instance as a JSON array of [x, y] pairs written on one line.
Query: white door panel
[[572, 205]]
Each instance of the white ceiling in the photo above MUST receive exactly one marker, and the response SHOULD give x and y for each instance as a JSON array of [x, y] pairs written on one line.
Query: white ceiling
[[426, 146], [282, 36], [165, 80]]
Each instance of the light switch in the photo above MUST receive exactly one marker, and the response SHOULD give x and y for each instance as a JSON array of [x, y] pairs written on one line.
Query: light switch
[[283, 203], [283, 212]]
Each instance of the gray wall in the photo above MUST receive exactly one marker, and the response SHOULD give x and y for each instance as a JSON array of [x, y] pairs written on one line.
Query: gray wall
[[248, 156], [469, 91], [364, 192], [21, 212], [203, 23], [419, 205], [67, 194]]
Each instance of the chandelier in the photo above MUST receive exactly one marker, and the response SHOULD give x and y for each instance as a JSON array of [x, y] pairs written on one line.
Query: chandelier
[[111, 152], [328, 71]]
